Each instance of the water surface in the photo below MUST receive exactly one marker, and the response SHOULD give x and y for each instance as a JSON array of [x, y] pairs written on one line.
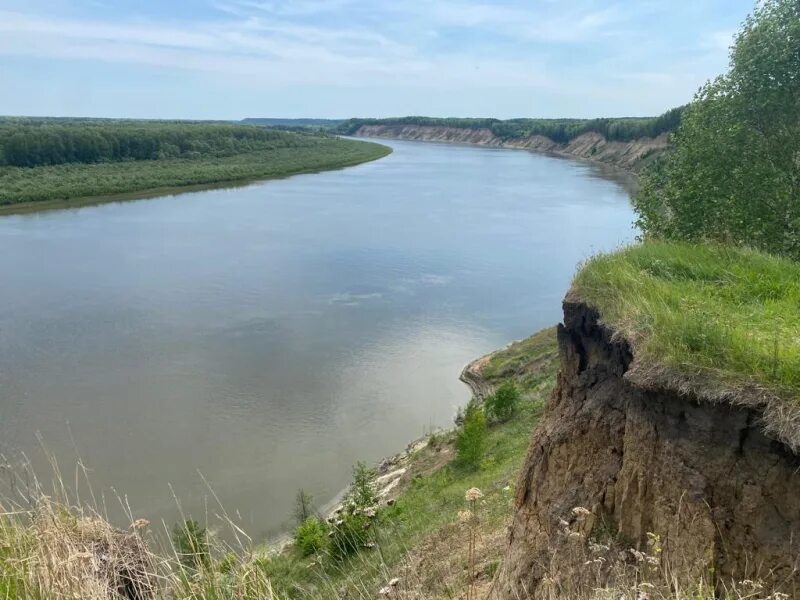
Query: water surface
[[267, 337]]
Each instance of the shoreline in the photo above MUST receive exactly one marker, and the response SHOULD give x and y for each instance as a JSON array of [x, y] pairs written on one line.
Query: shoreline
[[391, 468], [24, 208], [627, 177]]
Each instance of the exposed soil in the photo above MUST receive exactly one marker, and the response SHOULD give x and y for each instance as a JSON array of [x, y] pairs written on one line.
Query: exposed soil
[[631, 156], [722, 495]]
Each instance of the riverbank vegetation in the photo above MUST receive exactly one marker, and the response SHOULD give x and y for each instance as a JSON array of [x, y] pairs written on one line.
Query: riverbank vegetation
[[733, 175], [712, 295], [46, 159], [51, 547], [561, 131], [424, 526]]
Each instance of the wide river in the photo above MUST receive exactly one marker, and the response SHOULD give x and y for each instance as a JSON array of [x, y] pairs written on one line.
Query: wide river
[[259, 339]]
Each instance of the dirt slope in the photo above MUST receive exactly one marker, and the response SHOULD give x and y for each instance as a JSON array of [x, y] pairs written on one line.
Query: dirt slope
[[631, 156], [723, 497]]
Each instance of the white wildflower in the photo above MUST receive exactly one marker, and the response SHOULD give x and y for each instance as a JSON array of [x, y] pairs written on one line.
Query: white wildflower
[[473, 494]]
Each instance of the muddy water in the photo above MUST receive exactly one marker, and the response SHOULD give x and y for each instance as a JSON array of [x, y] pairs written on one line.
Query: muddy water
[[264, 338]]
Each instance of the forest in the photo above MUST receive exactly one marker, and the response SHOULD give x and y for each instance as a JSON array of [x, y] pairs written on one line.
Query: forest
[[60, 159], [559, 130], [39, 142]]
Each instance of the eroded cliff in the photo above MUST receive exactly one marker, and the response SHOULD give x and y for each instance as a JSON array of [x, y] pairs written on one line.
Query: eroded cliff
[[631, 155], [722, 497]]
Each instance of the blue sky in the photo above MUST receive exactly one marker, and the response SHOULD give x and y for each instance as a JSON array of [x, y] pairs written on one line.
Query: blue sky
[[339, 58]]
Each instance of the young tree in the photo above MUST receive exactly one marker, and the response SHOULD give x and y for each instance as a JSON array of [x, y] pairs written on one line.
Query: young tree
[[471, 438], [363, 491], [734, 173], [303, 506]]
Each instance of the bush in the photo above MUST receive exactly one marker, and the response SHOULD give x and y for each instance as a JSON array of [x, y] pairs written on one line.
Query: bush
[[350, 533], [363, 491], [311, 536], [471, 438], [502, 405], [191, 544]]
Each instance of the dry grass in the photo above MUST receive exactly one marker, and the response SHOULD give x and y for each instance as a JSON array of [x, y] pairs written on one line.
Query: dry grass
[[53, 546]]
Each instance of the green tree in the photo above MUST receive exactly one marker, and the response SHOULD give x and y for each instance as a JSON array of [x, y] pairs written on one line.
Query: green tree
[[303, 506], [471, 438], [502, 405], [363, 491], [734, 173], [311, 536]]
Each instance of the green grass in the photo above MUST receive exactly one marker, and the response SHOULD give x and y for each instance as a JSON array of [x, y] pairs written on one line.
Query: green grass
[[729, 315], [524, 361], [432, 500], [20, 186]]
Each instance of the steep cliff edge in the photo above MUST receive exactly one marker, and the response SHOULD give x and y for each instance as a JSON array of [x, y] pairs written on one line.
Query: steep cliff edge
[[632, 155], [722, 496]]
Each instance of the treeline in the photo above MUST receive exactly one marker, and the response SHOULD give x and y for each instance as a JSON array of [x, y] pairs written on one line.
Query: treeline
[[293, 123], [559, 130], [44, 142]]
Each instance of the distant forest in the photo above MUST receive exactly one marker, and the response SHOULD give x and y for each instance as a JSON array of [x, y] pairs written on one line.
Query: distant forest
[[559, 130], [293, 123], [59, 159], [27, 142]]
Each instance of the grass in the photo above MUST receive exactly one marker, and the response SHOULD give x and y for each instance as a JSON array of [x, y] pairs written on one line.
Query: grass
[[524, 361], [24, 186], [432, 494], [730, 316], [422, 547]]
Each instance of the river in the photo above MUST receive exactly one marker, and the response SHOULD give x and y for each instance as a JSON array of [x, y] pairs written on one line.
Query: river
[[259, 339]]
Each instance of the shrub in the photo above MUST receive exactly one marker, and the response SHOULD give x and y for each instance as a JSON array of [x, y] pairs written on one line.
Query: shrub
[[471, 439], [191, 544], [350, 533], [311, 536], [363, 491], [502, 405]]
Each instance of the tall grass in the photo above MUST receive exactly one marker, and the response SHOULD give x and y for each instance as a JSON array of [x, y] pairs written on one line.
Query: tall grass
[[54, 545], [732, 315]]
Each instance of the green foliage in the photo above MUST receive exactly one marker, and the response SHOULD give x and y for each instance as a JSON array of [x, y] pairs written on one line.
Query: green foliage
[[34, 143], [363, 492], [734, 173], [558, 130], [731, 315], [471, 438], [191, 544], [502, 405], [303, 507], [311, 536], [524, 362], [61, 182], [350, 533]]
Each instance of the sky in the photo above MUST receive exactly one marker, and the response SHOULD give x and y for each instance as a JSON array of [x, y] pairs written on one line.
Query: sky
[[230, 59]]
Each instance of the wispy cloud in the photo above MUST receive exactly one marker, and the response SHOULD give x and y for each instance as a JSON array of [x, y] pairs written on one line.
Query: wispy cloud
[[520, 56]]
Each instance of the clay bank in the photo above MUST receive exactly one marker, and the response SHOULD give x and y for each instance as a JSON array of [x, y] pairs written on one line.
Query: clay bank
[[628, 155], [696, 466]]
